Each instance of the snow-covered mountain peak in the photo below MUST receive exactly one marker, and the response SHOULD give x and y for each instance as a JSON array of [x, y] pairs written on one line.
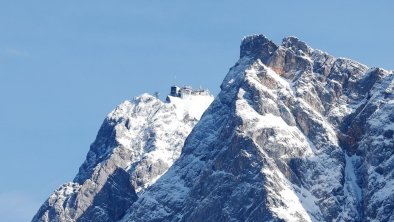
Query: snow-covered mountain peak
[[190, 106], [137, 142], [294, 135], [129, 107], [285, 140]]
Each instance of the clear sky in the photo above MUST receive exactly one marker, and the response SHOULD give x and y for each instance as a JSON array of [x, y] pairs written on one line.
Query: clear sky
[[65, 64]]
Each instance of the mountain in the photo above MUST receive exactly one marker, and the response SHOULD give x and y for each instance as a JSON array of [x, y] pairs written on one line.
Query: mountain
[[295, 134], [136, 144]]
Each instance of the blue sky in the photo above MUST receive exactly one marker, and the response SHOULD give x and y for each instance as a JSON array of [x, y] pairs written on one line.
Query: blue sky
[[65, 64]]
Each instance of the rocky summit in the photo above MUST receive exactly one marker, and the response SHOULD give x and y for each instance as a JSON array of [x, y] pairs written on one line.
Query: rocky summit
[[295, 134]]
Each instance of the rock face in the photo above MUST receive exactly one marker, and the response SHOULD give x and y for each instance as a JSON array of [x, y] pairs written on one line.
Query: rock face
[[135, 145], [294, 135]]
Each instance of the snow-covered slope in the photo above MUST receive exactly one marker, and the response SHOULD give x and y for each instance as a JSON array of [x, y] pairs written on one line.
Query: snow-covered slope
[[294, 135], [135, 145]]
